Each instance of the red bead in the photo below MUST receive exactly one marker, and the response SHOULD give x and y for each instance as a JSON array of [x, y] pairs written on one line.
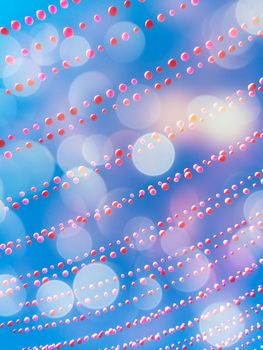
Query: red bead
[[2, 143], [149, 24], [172, 63], [112, 11]]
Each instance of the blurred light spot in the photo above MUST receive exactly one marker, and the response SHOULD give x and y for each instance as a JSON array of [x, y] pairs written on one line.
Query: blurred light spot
[[96, 286], [153, 154]]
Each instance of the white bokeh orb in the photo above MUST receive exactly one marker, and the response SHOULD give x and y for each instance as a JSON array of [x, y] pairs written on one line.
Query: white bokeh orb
[[153, 154], [96, 286], [249, 13], [55, 298], [130, 42], [147, 294], [12, 295], [95, 147], [142, 229], [221, 324], [73, 243], [73, 50]]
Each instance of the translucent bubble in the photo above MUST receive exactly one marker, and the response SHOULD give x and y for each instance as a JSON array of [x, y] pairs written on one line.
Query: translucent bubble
[[44, 46], [74, 50], [55, 298], [141, 228], [12, 295], [143, 109], [220, 324], [73, 243], [69, 153], [129, 47], [192, 272], [148, 292], [96, 286], [27, 168], [86, 190], [24, 81], [153, 154], [253, 204], [95, 147], [249, 13], [173, 242], [86, 86], [9, 46], [8, 108]]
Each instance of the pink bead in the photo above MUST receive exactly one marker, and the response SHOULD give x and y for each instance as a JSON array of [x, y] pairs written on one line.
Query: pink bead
[[8, 155], [52, 9], [29, 20], [42, 76], [190, 70], [110, 93], [123, 87], [68, 32], [86, 104], [233, 32], [90, 53], [41, 15], [24, 52], [97, 18], [8, 251], [125, 36], [64, 4], [185, 56], [15, 25], [209, 44]]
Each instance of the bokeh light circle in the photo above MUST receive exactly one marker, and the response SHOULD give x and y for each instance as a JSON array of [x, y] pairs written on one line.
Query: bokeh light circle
[[12, 295], [126, 50], [220, 322], [86, 193], [8, 108], [241, 251], [250, 13], [33, 166], [25, 76], [55, 298], [141, 228], [44, 46], [2, 211], [153, 154], [95, 147], [9, 47], [73, 243], [191, 272], [253, 204], [87, 85], [219, 122], [73, 50], [147, 293], [143, 109], [69, 153], [96, 286], [174, 241]]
